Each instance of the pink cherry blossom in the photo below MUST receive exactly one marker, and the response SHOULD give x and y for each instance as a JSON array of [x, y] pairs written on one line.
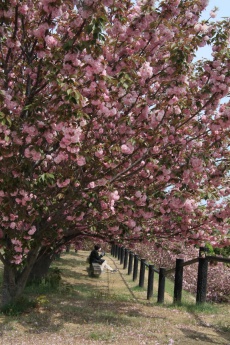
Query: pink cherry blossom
[[63, 183], [127, 149], [32, 230], [51, 41], [91, 184], [81, 161], [213, 14], [18, 249], [23, 9]]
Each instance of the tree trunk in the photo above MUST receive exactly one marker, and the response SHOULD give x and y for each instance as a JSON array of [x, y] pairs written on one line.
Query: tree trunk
[[9, 286], [14, 280], [41, 266]]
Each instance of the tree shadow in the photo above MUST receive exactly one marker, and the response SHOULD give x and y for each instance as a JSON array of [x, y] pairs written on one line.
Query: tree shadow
[[98, 308], [73, 274], [221, 331], [202, 337], [72, 262]]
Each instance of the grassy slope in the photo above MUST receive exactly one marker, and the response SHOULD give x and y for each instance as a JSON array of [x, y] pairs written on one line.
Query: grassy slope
[[111, 309]]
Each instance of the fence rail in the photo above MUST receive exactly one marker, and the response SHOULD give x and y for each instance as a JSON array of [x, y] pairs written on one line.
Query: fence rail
[[131, 261]]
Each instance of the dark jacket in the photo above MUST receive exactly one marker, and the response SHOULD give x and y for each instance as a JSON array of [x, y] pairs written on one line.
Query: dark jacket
[[95, 257]]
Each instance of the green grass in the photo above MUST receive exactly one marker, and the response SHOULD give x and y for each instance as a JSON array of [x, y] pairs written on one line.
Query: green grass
[[187, 297], [141, 292], [101, 336], [204, 308], [138, 288], [223, 326], [18, 307]]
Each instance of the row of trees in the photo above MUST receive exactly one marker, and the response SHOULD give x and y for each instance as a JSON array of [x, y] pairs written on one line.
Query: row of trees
[[108, 128]]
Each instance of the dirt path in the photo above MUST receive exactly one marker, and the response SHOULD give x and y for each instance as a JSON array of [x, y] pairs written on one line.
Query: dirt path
[[109, 310]]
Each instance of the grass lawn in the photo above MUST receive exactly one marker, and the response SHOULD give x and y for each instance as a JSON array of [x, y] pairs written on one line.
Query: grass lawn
[[111, 309]]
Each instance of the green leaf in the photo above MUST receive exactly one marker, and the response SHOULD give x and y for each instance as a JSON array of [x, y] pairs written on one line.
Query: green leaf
[[9, 120], [67, 45]]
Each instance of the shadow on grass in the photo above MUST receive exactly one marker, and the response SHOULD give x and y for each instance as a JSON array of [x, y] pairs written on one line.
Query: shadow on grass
[[80, 304], [205, 308], [89, 305], [201, 337], [223, 330], [72, 262], [84, 301], [73, 274]]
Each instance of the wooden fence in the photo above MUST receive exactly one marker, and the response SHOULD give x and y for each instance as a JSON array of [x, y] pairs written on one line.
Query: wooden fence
[[131, 261]]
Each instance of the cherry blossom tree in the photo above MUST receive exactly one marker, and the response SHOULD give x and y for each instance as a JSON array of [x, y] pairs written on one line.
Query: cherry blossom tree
[[108, 128]]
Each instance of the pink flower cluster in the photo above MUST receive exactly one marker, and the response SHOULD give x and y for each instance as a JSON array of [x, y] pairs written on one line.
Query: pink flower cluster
[[127, 149]]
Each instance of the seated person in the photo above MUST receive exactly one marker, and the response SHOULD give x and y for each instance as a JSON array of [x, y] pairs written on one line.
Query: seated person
[[96, 257]]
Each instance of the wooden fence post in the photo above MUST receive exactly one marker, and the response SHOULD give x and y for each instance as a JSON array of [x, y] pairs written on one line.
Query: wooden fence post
[[161, 285], [130, 267], [202, 280], [119, 253], [126, 259], [122, 255], [116, 251], [178, 281], [142, 273], [150, 282], [113, 249], [135, 267]]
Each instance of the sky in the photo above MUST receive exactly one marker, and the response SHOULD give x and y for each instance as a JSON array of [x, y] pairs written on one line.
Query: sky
[[223, 11]]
